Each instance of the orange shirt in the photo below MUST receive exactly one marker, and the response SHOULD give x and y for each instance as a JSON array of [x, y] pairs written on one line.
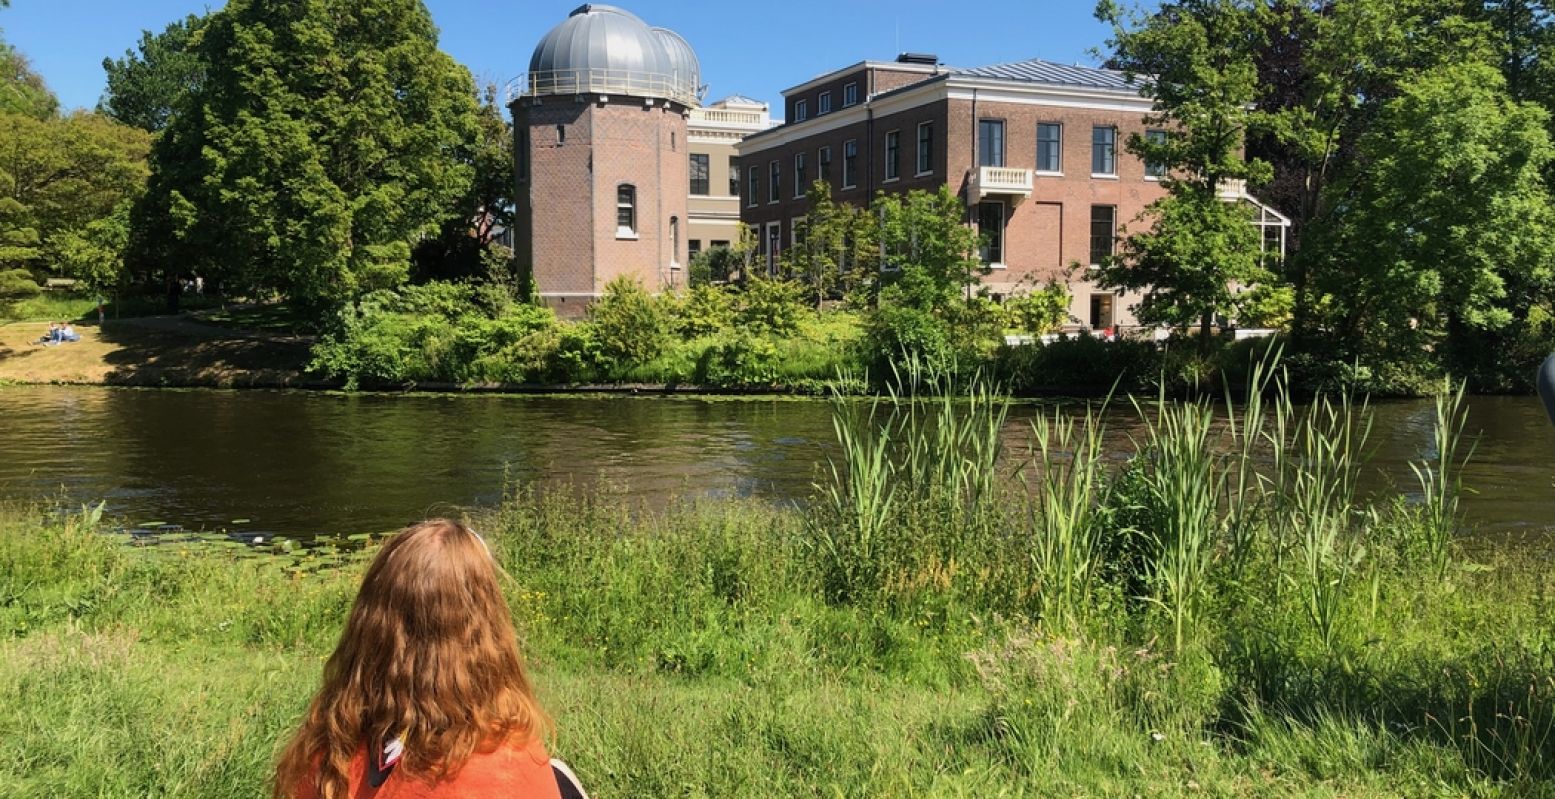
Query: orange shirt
[[510, 772]]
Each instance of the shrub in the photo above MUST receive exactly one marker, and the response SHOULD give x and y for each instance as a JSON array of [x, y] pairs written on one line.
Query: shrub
[[902, 332], [630, 326], [1080, 363], [772, 305], [705, 311]]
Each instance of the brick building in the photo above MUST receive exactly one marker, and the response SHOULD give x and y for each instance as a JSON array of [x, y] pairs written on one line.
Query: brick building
[[1034, 148], [601, 151]]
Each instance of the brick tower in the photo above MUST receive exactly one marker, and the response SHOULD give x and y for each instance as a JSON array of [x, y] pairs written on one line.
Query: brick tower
[[601, 162]]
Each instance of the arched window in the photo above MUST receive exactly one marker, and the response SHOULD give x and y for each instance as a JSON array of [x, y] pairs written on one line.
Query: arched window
[[626, 211], [675, 240]]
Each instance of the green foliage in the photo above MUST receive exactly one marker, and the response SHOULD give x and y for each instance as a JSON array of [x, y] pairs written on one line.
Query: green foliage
[[1039, 311], [146, 88], [23, 91], [435, 332], [707, 309], [314, 153], [930, 251], [770, 305], [1197, 60], [1448, 232], [465, 247], [16, 285], [834, 237], [631, 326], [64, 185]]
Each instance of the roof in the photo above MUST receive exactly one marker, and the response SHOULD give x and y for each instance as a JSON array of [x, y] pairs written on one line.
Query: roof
[[1038, 71]]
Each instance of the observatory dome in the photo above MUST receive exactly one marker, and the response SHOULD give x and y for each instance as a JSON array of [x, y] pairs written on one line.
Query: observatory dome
[[682, 59], [600, 49]]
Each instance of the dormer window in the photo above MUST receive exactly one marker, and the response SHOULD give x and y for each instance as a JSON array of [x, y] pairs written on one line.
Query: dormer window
[[849, 94], [801, 110], [823, 104]]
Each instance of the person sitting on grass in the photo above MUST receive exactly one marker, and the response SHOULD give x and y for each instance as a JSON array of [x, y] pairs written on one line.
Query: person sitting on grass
[[51, 337], [68, 333], [425, 696]]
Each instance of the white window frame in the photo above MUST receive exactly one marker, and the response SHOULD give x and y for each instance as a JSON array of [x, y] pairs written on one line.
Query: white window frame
[[793, 231], [767, 239], [1004, 223], [775, 173], [625, 231], [823, 159], [1113, 175], [919, 155], [799, 179], [845, 175], [823, 103], [850, 94], [801, 110], [674, 242], [1154, 134], [753, 186], [893, 168], [1058, 173]]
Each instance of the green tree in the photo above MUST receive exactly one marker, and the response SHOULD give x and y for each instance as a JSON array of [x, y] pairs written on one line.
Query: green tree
[[23, 91], [16, 285], [1449, 230], [145, 88], [321, 145], [1196, 59], [465, 248], [930, 252], [833, 234], [63, 181]]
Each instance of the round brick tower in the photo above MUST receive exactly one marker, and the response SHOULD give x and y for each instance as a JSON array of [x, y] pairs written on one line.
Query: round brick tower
[[602, 168]]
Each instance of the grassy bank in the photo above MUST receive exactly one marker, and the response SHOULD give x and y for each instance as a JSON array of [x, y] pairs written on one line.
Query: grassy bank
[[1184, 625]]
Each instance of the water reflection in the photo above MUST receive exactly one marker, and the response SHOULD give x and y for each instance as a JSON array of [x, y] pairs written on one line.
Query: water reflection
[[299, 462]]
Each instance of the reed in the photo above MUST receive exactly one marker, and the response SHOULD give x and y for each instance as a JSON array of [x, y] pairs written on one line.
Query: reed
[[1440, 480]]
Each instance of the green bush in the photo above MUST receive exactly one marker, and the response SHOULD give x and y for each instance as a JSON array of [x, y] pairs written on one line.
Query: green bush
[[1081, 363], [771, 305], [631, 326]]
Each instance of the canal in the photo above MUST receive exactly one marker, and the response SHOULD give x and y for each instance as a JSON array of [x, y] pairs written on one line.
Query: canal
[[300, 463]]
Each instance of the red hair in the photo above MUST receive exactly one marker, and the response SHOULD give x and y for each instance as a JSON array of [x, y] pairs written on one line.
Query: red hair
[[428, 656]]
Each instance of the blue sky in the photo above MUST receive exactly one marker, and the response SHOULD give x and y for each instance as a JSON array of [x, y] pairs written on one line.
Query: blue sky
[[755, 49]]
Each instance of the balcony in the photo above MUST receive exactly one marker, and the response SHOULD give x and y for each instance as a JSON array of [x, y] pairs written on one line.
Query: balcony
[[1011, 184]]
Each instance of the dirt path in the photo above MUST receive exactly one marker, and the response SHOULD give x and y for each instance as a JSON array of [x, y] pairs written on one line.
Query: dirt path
[[153, 351]]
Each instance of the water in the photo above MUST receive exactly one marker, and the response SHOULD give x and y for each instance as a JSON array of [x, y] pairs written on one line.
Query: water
[[299, 463]]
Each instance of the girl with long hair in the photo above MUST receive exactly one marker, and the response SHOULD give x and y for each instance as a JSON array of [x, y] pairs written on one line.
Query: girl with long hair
[[425, 695]]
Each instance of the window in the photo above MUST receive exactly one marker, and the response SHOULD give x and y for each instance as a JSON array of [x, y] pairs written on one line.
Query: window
[[801, 110], [1101, 311], [674, 241], [925, 148], [1104, 146], [990, 224], [1050, 141], [753, 187], [774, 191], [734, 176], [849, 94], [823, 104], [893, 153], [693, 248], [700, 172], [672, 141], [823, 164], [561, 134], [850, 163], [990, 142], [1103, 232], [801, 176], [626, 211], [1155, 169], [774, 244]]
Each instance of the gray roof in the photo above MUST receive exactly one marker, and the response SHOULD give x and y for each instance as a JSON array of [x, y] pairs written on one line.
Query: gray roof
[[606, 49], [683, 60], [1038, 71]]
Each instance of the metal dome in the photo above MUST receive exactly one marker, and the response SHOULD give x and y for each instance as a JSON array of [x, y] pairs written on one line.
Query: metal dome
[[601, 49], [683, 60]]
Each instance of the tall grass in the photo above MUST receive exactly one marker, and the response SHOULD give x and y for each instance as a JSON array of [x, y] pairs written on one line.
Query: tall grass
[[1440, 479]]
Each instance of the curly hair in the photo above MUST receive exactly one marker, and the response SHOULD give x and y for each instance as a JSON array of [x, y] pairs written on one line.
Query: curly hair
[[428, 656]]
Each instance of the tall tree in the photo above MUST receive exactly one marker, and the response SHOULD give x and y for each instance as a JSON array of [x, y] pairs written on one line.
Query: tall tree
[[929, 252], [835, 237], [145, 87], [60, 176], [466, 247], [23, 91], [1449, 232], [1196, 61], [320, 146]]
